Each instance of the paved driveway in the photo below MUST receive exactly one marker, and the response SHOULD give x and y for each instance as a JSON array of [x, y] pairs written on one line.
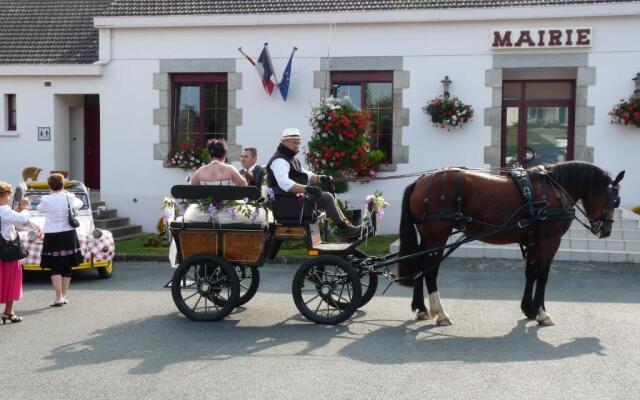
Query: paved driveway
[[123, 338]]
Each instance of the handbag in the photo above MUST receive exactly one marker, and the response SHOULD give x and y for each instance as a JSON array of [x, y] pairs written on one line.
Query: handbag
[[11, 250], [73, 221]]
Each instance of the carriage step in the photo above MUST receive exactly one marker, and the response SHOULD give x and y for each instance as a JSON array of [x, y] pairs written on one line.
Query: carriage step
[[335, 248]]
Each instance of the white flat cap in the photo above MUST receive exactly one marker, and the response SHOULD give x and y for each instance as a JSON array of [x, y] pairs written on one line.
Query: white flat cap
[[291, 133]]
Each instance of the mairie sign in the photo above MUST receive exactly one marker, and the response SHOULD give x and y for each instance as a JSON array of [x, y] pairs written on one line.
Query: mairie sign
[[543, 38]]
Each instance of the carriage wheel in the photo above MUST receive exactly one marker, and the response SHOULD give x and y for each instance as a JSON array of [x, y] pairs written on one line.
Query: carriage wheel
[[205, 288], [326, 289], [249, 280]]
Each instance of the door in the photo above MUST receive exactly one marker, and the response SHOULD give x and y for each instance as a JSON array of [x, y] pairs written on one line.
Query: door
[[92, 141], [537, 122]]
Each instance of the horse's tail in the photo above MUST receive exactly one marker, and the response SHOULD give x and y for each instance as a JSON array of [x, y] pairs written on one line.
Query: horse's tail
[[408, 240]]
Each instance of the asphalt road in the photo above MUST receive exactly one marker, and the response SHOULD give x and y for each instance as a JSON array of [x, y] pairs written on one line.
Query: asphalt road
[[123, 338]]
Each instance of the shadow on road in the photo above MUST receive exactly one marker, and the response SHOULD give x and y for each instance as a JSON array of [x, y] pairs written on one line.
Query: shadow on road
[[166, 340]]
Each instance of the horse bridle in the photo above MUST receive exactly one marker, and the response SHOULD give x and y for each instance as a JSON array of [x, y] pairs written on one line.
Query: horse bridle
[[613, 201]]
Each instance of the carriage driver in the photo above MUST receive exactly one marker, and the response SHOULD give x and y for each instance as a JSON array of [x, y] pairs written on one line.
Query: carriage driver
[[286, 175]]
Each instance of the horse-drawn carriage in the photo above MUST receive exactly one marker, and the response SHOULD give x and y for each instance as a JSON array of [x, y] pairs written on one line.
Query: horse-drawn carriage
[[218, 263]]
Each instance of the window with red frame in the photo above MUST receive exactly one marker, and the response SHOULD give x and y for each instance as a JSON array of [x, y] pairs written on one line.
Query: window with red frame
[[11, 112], [199, 109], [371, 91]]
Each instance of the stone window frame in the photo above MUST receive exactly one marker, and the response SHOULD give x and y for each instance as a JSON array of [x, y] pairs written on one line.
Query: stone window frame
[[162, 114], [584, 114], [401, 81]]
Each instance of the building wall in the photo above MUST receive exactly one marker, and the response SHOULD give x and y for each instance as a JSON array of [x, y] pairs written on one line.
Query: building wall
[[133, 181]]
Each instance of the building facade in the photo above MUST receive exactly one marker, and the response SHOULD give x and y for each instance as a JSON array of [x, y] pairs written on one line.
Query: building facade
[[146, 79]]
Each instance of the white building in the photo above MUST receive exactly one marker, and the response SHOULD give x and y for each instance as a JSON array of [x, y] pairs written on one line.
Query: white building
[[93, 86]]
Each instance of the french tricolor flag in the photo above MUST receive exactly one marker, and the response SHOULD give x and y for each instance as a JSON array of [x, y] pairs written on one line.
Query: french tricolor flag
[[265, 70]]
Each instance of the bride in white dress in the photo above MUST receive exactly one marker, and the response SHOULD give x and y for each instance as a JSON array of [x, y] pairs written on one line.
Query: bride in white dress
[[217, 172]]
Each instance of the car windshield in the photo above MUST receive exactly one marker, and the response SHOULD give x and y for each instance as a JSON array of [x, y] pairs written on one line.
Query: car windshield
[[35, 197]]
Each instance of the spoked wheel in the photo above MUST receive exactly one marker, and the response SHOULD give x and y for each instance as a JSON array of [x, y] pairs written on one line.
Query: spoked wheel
[[326, 289], [205, 288], [249, 279]]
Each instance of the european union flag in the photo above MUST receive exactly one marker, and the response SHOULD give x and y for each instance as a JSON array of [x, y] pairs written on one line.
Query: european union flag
[[286, 77]]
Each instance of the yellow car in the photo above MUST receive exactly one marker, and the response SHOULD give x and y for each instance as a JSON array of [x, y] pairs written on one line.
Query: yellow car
[[97, 245]]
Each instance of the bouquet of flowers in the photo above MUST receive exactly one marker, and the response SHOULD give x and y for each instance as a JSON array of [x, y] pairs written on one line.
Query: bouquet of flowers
[[187, 157], [376, 204], [627, 112], [448, 113], [340, 145]]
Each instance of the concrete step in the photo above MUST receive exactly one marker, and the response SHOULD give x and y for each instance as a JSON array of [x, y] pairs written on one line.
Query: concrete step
[[110, 223], [96, 204], [132, 236], [123, 231], [618, 234], [475, 251], [105, 214]]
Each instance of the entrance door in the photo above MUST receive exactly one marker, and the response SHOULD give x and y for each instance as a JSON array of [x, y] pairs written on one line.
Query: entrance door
[[537, 122], [92, 141]]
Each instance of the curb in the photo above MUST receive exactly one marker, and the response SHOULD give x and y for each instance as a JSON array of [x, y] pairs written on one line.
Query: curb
[[292, 260]]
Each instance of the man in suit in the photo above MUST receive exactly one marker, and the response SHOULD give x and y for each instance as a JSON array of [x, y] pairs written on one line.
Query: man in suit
[[250, 168]]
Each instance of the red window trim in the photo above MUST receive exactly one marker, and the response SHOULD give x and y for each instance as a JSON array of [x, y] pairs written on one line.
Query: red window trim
[[11, 123], [361, 76], [195, 79]]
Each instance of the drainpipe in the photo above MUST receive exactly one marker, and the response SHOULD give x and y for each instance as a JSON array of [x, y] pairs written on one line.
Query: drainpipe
[[104, 46]]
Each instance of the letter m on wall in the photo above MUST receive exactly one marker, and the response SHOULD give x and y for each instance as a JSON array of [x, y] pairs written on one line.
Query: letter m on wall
[[502, 39]]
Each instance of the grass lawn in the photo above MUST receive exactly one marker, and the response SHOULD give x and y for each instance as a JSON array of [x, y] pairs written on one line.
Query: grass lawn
[[374, 246]]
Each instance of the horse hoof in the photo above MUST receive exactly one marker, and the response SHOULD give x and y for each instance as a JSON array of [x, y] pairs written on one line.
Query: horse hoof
[[546, 321], [445, 322], [422, 315]]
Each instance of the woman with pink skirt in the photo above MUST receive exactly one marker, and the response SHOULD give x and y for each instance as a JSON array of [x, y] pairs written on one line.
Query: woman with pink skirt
[[10, 271]]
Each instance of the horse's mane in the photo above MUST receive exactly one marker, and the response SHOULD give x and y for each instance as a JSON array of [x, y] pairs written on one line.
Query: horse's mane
[[578, 176]]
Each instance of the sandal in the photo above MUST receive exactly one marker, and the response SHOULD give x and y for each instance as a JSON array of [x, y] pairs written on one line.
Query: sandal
[[14, 319]]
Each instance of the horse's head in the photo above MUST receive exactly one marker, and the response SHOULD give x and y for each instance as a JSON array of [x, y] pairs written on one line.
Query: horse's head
[[599, 207]]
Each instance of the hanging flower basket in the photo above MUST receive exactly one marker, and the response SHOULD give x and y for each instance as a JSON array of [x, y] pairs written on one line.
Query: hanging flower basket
[[448, 113], [627, 112], [188, 157], [339, 145]]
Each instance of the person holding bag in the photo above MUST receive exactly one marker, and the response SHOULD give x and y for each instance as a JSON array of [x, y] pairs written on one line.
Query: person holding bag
[[60, 248], [10, 253]]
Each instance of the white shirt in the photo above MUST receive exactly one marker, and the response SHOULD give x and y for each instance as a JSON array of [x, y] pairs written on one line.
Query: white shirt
[[8, 218], [280, 168], [54, 207]]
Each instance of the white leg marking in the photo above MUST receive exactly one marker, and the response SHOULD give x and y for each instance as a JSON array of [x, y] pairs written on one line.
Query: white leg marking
[[437, 310]]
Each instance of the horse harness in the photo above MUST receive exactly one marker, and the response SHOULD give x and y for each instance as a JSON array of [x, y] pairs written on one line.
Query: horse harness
[[535, 210]]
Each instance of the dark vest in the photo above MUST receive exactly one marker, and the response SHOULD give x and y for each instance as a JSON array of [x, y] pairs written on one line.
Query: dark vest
[[295, 170]]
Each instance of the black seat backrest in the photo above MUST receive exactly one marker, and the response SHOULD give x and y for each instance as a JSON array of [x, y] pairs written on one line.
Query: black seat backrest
[[218, 192]]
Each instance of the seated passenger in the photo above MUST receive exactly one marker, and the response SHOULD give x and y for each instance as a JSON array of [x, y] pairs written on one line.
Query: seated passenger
[[217, 172]]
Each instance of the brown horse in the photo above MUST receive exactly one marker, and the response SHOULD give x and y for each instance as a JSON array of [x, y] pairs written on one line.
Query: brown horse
[[491, 207]]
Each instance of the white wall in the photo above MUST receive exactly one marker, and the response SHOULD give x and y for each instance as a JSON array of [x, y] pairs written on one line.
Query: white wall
[[429, 50]]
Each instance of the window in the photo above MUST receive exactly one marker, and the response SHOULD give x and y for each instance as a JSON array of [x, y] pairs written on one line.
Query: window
[[199, 110], [11, 112], [372, 91]]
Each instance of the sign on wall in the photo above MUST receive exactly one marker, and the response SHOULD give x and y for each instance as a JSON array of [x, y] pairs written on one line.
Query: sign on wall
[[44, 133], [541, 38]]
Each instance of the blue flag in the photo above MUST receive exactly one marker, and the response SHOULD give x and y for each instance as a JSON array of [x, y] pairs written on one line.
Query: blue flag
[[286, 77]]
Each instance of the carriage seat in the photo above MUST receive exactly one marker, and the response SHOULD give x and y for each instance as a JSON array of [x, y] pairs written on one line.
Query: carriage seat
[[289, 210], [217, 192]]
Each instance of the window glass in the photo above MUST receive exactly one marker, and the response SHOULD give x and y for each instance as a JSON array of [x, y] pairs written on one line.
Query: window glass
[[352, 93], [200, 110]]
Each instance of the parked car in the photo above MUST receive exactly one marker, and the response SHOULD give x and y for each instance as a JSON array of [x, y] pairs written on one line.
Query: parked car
[[97, 245]]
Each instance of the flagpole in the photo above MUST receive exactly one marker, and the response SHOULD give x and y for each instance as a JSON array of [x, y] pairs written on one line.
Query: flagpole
[[248, 58]]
